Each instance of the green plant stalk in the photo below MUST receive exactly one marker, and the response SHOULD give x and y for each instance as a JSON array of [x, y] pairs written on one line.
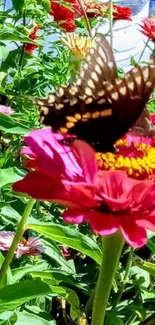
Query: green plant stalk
[[111, 22], [126, 276], [112, 248], [16, 239], [145, 46], [22, 49], [85, 17]]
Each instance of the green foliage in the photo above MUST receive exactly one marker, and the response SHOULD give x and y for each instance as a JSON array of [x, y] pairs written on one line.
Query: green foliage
[[35, 287], [69, 237]]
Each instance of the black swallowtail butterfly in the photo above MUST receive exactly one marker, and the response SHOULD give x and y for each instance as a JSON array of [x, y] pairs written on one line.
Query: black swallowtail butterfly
[[144, 126], [98, 107]]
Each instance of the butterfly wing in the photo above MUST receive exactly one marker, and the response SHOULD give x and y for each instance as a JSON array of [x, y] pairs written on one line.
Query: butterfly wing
[[98, 107], [144, 125]]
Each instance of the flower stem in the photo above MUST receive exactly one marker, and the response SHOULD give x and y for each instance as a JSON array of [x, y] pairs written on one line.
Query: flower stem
[[22, 48], [89, 304], [146, 44], [86, 17], [123, 284], [111, 22], [16, 240], [112, 248]]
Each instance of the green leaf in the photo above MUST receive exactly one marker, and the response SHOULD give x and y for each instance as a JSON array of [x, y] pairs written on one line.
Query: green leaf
[[70, 237], [73, 299], [18, 4], [4, 51], [25, 318], [58, 276], [20, 272], [7, 124], [11, 319], [8, 279], [2, 76], [17, 294], [12, 34], [46, 5], [10, 175], [53, 251], [147, 266]]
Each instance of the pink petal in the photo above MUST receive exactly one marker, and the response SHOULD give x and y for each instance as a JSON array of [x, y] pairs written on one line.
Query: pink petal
[[80, 193], [76, 216], [51, 156], [40, 186], [146, 222], [134, 235], [153, 118], [143, 194], [114, 188], [86, 158], [6, 110], [103, 224]]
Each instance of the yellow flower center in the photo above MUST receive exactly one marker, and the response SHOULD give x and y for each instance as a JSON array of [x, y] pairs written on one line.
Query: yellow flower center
[[137, 159], [78, 45]]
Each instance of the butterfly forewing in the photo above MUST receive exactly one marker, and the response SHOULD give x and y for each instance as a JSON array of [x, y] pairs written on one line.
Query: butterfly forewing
[[98, 107]]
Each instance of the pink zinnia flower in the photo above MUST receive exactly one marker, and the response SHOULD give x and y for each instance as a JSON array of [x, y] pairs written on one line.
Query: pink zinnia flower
[[108, 200], [32, 246], [6, 110], [6, 238], [136, 156]]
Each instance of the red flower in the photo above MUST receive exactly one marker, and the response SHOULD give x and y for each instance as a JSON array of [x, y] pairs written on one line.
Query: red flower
[[94, 9], [121, 13], [28, 47], [148, 27], [69, 26], [65, 14], [108, 200], [32, 246]]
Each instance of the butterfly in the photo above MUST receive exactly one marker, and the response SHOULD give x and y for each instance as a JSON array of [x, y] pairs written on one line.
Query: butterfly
[[98, 107], [144, 126]]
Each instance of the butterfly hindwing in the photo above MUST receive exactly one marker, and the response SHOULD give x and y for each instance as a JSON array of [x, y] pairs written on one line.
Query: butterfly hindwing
[[99, 108]]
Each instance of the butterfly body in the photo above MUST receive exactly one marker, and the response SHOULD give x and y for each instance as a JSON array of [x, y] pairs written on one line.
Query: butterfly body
[[98, 107]]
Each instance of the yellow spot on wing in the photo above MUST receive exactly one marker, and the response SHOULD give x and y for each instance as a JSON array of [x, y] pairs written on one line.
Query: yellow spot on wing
[[101, 101], [69, 125], [77, 116], [86, 115], [63, 130], [106, 112], [71, 119], [51, 99], [95, 114], [88, 91]]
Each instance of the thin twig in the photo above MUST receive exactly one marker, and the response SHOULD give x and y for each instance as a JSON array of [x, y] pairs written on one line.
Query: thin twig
[[86, 17], [146, 44], [123, 284]]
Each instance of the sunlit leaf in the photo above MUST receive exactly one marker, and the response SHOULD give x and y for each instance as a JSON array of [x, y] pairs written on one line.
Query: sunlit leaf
[[18, 4], [70, 237], [17, 294], [7, 124], [4, 51], [10, 175]]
